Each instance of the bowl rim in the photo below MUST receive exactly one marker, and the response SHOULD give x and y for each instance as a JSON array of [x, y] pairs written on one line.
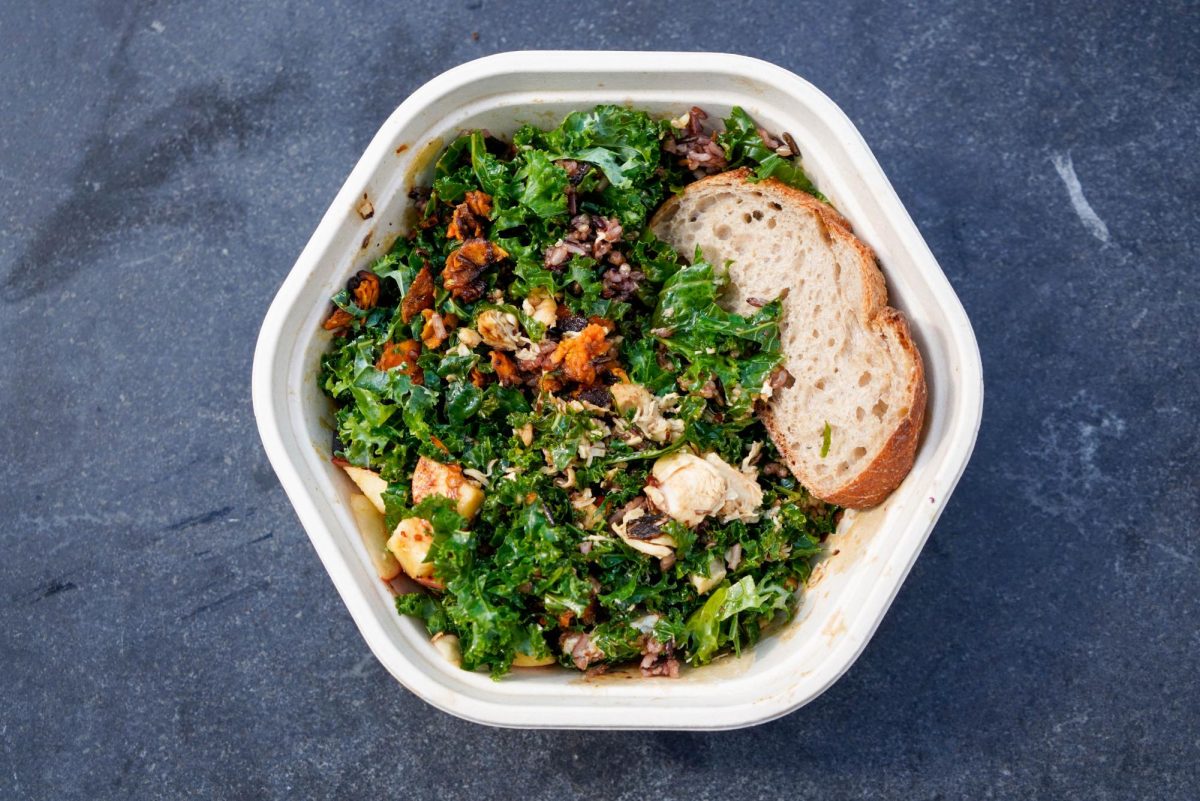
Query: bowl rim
[[502, 709]]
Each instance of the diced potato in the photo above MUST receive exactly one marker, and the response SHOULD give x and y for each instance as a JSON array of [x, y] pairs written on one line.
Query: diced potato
[[410, 544], [374, 535], [435, 478], [525, 660], [716, 574], [369, 482]]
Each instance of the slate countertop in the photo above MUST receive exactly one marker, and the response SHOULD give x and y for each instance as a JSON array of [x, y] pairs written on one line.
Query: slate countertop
[[167, 630]]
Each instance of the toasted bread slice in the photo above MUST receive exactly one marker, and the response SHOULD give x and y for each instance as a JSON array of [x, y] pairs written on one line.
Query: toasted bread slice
[[855, 365]]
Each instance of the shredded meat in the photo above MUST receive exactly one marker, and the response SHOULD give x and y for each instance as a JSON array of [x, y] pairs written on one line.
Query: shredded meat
[[419, 296], [465, 265], [576, 355], [402, 356]]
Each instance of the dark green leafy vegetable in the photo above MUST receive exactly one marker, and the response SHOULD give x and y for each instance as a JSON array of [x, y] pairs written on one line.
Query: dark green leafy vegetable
[[540, 564], [744, 147]]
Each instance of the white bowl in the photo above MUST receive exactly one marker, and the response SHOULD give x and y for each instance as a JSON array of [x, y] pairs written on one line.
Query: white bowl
[[871, 553]]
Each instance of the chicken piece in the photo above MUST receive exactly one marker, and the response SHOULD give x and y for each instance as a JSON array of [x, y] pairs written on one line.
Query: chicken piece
[[647, 412], [410, 544], [575, 355], [541, 306], [469, 337], [743, 495], [447, 480], [506, 369], [465, 266], [630, 396], [419, 296], [690, 489], [402, 356], [498, 329]]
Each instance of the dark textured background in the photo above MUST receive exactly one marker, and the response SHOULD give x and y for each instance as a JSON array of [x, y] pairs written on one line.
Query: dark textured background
[[167, 631]]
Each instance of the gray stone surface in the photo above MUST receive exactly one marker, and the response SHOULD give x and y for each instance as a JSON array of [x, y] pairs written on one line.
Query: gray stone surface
[[165, 627]]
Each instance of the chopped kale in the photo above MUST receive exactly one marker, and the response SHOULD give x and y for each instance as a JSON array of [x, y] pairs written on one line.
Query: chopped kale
[[511, 372]]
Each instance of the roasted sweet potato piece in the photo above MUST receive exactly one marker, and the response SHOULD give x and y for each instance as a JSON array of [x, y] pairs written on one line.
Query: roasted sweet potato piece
[[435, 331], [480, 203], [402, 356], [465, 265], [506, 369], [419, 296], [466, 222], [338, 320], [364, 288], [463, 224], [575, 355]]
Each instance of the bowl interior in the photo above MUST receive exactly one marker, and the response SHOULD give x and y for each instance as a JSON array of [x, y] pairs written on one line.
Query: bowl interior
[[872, 551]]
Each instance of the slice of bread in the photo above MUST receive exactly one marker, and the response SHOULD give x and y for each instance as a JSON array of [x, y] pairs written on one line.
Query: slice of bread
[[855, 365]]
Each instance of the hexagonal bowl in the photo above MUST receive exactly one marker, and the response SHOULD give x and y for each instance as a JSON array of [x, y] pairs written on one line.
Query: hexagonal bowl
[[870, 555]]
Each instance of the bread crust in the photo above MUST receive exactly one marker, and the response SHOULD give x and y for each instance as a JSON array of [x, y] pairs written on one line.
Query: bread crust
[[888, 469], [875, 482]]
